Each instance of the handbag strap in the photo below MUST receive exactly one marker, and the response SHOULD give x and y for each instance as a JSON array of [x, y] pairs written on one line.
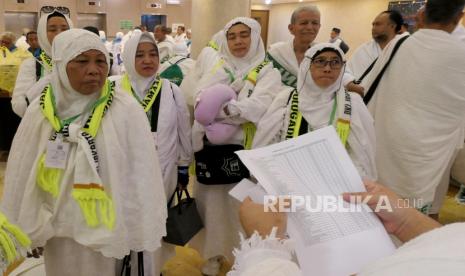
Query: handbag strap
[[126, 269], [374, 85], [140, 263], [178, 193]]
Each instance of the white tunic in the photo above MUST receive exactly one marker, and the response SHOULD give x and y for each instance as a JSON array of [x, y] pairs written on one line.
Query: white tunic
[[173, 136], [361, 59], [419, 112], [24, 84], [217, 209], [438, 252]]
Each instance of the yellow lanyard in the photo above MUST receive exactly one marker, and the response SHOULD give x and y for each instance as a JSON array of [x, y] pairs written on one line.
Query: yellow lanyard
[[152, 94]]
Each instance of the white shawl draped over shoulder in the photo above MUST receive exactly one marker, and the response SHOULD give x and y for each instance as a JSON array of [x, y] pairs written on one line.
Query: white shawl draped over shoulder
[[129, 168], [362, 58], [419, 112]]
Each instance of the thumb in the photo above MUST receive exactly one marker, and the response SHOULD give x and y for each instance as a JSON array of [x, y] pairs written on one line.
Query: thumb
[[349, 196]]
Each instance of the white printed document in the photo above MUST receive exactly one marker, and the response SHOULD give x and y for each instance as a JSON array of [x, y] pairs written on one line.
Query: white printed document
[[332, 238]]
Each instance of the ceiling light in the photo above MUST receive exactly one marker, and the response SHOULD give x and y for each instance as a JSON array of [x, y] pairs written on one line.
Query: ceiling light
[[267, 2]]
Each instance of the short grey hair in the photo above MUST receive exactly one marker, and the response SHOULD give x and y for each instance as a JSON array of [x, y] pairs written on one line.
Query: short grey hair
[[307, 8], [9, 35]]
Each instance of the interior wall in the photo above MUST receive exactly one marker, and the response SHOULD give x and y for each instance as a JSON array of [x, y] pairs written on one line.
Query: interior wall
[[116, 10], [2, 17], [334, 13]]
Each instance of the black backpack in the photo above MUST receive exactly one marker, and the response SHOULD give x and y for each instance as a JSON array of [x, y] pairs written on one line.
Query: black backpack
[[344, 47]]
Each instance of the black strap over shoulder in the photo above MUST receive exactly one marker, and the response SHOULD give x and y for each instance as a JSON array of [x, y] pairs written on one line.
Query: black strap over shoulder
[[374, 85], [155, 112], [368, 70], [38, 70]]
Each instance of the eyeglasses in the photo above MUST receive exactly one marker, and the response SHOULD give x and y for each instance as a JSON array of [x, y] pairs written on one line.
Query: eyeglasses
[[333, 64], [51, 9]]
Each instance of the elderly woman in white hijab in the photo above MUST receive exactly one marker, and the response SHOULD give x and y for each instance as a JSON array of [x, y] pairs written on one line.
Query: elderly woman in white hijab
[[35, 68], [83, 178], [320, 101], [241, 67]]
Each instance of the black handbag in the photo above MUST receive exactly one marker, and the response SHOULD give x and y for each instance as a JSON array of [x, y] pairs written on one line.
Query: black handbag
[[218, 164], [183, 220]]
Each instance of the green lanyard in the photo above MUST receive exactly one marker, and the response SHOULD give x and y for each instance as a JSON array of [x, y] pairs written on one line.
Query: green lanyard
[[69, 120], [331, 117]]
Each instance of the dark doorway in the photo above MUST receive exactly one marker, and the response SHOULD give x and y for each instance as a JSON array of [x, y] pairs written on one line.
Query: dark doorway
[[151, 21]]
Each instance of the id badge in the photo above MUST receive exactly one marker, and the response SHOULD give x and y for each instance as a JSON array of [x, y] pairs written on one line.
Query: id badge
[[57, 154]]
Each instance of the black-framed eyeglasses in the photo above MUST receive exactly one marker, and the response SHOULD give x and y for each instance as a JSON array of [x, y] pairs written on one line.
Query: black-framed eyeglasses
[[333, 64], [51, 9]]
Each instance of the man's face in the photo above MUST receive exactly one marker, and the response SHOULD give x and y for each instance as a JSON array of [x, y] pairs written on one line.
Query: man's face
[[333, 34], [159, 35], [32, 41], [306, 26], [382, 28]]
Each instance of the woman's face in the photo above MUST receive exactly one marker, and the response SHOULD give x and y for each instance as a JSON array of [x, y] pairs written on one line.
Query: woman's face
[[325, 68], [56, 25], [239, 40], [87, 72], [146, 59]]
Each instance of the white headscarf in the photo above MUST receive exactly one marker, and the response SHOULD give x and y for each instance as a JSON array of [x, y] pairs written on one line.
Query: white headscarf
[[42, 32], [316, 103], [66, 46], [256, 53], [139, 83]]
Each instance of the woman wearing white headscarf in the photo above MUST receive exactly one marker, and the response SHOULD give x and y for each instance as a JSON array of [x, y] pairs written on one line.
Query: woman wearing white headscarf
[[321, 101], [83, 178], [34, 69], [240, 66], [169, 119], [172, 130]]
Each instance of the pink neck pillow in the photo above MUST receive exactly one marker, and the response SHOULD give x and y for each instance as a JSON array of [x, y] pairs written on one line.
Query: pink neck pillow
[[207, 109]]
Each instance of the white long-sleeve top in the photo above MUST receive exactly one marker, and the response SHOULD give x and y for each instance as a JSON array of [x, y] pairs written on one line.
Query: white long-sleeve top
[[361, 142], [24, 86], [173, 136]]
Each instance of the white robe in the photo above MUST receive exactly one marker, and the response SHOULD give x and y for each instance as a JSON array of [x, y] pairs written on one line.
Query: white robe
[[186, 65], [173, 136], [25, 84], [180, 38], [360, 143], [166, 50], [361, 59], [218, 210], [129, 170], [437, 252], [205, 61], [283, 53], [419, 113]]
